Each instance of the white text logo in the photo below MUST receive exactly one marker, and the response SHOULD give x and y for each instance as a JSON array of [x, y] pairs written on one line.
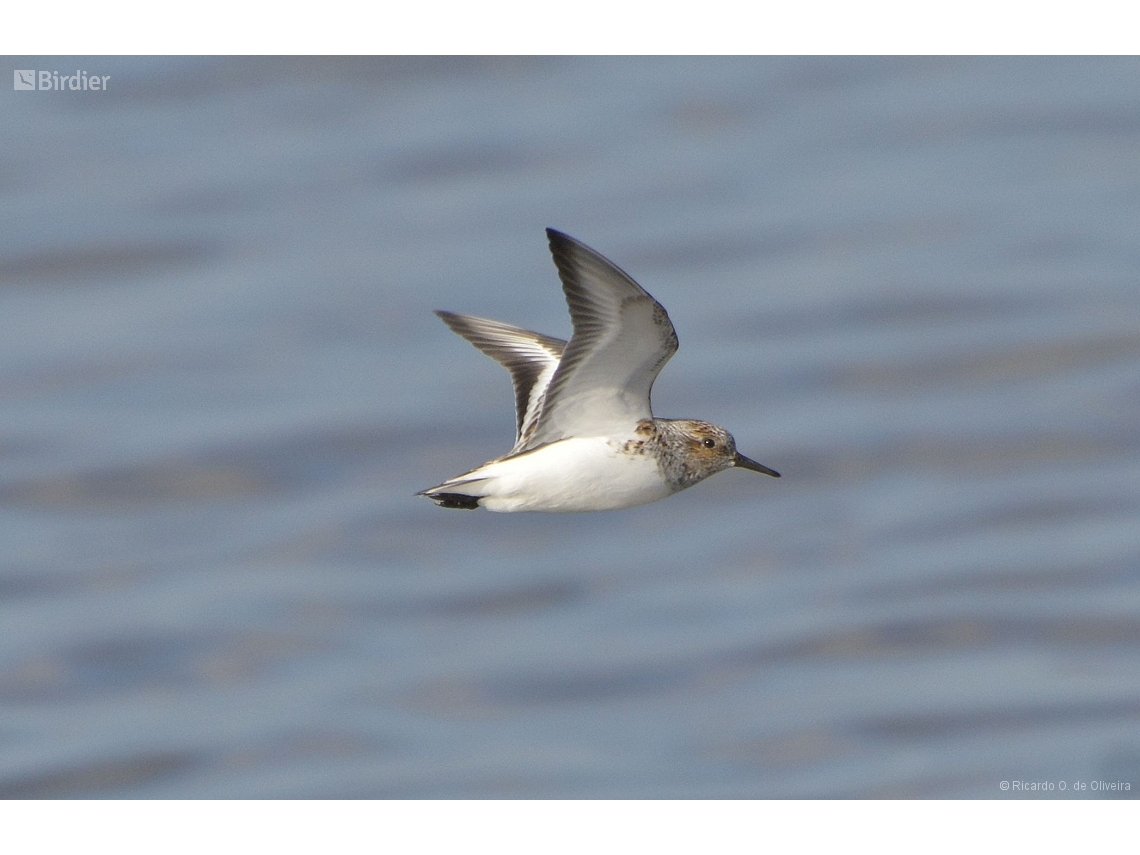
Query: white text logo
[[53, 80]]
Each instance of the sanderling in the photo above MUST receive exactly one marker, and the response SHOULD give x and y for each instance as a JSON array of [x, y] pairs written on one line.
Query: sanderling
[[586, 437]]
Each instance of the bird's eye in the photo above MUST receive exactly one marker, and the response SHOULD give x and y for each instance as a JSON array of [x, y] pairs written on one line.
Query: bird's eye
[[710, 443]]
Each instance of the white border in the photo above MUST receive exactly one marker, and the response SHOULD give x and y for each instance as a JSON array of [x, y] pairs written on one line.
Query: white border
[[584, 26], [567, 827]]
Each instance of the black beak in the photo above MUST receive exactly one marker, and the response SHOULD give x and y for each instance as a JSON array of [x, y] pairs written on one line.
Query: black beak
[[744, 463]]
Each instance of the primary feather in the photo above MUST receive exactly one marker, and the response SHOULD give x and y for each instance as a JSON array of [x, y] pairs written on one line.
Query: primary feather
[[530, 357]]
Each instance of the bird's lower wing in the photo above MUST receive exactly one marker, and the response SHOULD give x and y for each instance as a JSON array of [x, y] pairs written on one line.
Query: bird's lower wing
[[530, 357]]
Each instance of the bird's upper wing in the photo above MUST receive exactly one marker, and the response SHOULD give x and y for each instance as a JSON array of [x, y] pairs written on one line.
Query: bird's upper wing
[[530, 357], [622, 337]]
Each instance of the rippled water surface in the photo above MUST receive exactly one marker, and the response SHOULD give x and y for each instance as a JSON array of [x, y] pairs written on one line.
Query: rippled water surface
[[912, 286]]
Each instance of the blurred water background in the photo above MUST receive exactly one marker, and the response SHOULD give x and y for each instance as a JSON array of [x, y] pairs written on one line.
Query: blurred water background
[[911, 285]]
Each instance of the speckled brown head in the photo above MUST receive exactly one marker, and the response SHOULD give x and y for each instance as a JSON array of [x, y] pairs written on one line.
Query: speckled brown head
[[691, 450]]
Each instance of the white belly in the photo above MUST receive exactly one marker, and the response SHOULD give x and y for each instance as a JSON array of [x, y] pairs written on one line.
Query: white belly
[[581, 474]]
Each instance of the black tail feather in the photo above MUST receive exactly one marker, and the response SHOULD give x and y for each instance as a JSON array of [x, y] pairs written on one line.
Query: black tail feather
[[454, 500]]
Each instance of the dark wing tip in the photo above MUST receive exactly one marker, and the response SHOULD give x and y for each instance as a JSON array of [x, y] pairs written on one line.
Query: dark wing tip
[[454, 321], [575, 259], [560, 241]]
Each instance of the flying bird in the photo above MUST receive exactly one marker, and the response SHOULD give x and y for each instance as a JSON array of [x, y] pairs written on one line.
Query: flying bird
[[586, 438]]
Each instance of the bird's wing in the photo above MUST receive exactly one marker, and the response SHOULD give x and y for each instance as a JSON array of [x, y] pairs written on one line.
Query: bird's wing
[[530, 357], [622, 337]]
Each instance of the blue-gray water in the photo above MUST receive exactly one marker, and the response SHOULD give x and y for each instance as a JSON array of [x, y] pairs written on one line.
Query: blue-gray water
[[911, 285]]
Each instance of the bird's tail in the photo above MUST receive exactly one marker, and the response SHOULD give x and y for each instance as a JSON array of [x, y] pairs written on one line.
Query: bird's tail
[[453, 500], [455, 493]]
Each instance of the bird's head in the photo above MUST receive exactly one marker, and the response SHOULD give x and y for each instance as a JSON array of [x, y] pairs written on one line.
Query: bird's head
[[700, 449]]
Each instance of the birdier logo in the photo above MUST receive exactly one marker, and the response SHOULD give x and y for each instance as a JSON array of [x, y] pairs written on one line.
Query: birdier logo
[[53, 80]]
